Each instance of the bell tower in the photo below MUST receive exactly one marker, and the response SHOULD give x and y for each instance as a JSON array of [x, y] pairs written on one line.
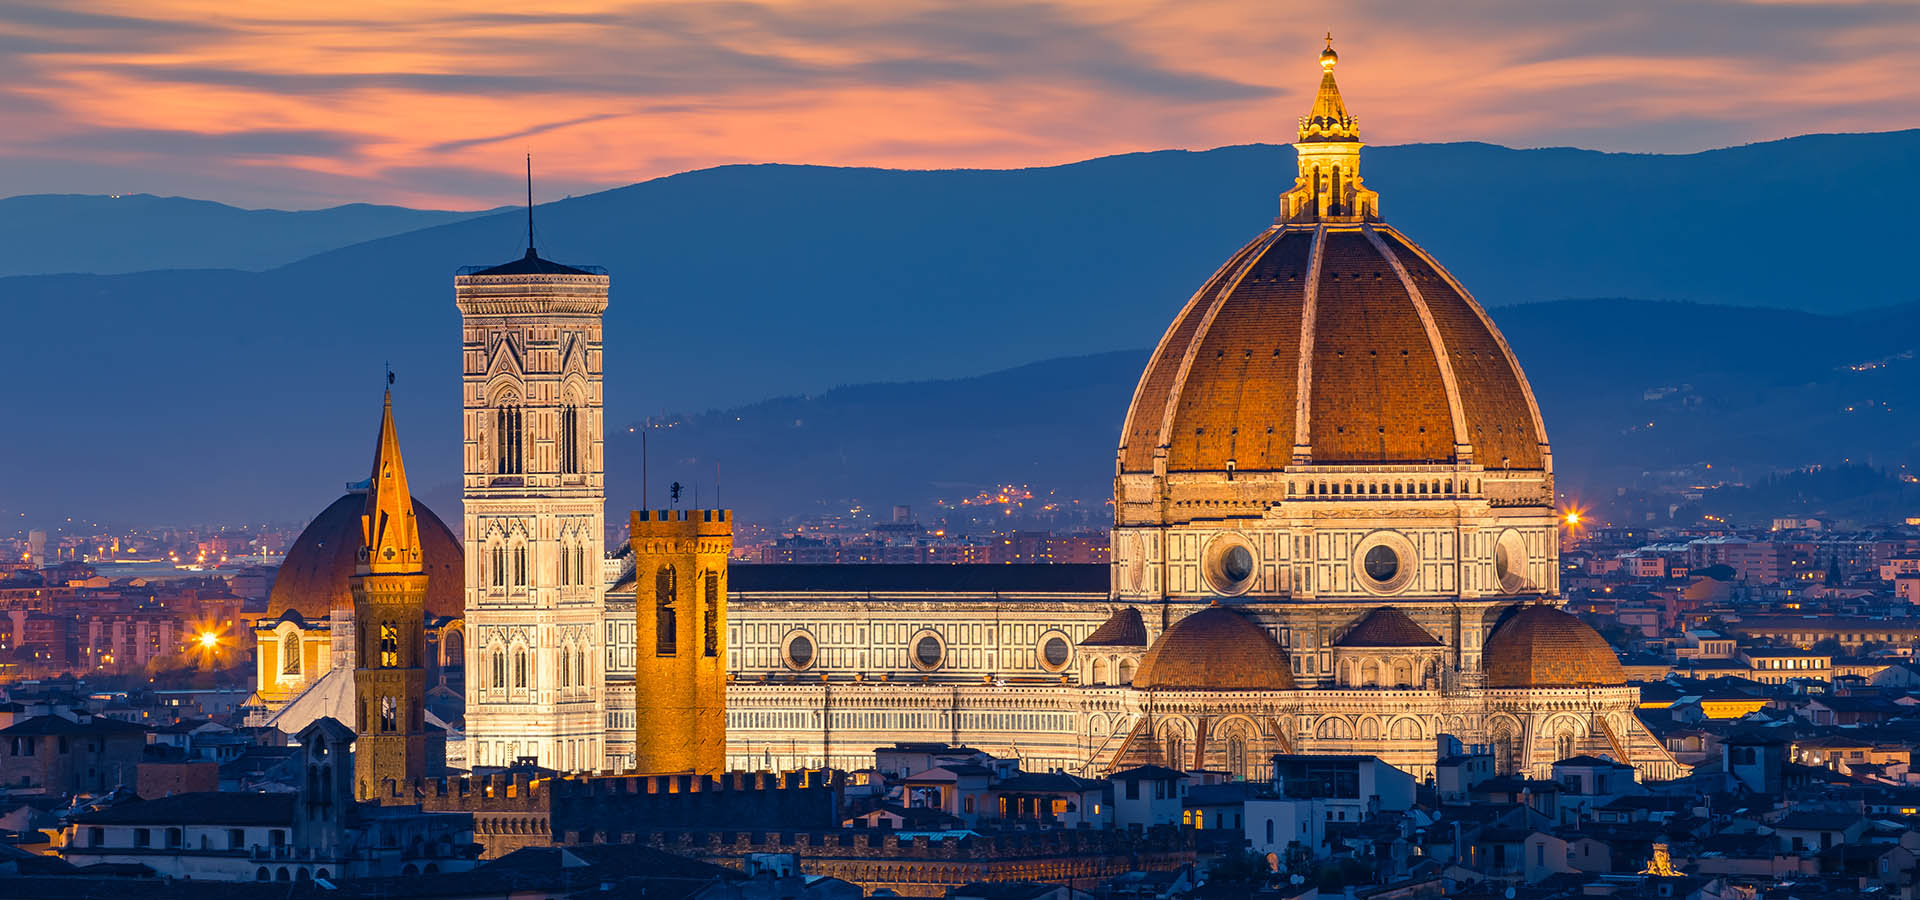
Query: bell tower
[[389, 587], [680, 632], [535, 511]]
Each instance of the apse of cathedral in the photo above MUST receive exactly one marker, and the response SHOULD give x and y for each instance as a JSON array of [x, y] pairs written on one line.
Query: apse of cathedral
[[1334, 533]]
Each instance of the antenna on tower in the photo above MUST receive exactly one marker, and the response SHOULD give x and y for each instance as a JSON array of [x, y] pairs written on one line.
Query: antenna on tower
[[530, 206]]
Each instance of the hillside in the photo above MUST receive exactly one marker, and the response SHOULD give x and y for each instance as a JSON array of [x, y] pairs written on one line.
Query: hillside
[[1745, 390], [44, 234], [744, 282]]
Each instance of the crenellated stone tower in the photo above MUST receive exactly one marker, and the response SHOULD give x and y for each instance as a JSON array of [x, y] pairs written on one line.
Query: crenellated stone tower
[[680, 629], [535, 498], [389, 610]]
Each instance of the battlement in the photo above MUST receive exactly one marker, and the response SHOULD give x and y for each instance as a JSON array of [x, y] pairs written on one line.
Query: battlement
[[865, 843], [681, 523], [680, 798]]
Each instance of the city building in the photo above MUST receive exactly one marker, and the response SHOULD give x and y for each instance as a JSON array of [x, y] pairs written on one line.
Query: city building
[[1334, 533], [535, 512]]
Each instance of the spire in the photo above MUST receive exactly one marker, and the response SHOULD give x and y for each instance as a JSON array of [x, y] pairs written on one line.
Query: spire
[[530, 253], [1328, 188], [389, 535], [1329, 120]]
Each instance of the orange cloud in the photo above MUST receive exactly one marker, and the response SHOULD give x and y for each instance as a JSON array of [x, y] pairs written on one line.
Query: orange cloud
[[431, 103]]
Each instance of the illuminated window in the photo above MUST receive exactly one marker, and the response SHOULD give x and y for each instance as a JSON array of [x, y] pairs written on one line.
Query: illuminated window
[[389, 646]]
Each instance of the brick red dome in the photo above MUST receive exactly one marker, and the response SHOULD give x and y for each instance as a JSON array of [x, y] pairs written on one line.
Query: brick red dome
[[1540, 646], [1349, 344], [314, 577], [1215, 649]]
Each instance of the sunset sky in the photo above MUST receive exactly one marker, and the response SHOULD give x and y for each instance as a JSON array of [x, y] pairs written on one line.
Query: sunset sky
[[298, 105]]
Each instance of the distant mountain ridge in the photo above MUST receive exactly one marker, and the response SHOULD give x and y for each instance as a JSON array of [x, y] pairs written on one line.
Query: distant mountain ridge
[[46, 234], [1747, 391], [743, 282]]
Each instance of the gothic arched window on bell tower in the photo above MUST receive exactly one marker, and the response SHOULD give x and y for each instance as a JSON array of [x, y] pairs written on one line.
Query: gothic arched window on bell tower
[[389, 715], [497, 662], [507, 436], [570, 439], [389, 646], [666, 588]]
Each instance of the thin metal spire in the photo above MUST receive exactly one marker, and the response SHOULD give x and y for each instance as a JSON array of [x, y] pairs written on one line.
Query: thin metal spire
[[530, 206]]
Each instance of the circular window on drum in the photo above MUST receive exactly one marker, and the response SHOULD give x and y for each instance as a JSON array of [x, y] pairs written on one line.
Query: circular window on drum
[[928, 651], [1385, 561], [1055, 651], [1230, 565], [799, 651], [1510, 563]]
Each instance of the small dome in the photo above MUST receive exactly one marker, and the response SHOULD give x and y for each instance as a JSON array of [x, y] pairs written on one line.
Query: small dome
[[1215, 649], [1541, 646], [314, 578], [1122, 629], [1387, 626]]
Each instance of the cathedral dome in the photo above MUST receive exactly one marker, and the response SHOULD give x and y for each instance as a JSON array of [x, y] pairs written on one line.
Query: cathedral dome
[[1215, 649], [314, 577], [1540, 646], [1330, 339], [1344, 346]]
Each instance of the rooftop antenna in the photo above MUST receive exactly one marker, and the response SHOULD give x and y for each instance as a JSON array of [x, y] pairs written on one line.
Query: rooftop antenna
[[530, 252]]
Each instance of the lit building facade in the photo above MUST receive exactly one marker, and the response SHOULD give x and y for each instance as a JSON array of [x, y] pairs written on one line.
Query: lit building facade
[[535, 512], [1334, 533]]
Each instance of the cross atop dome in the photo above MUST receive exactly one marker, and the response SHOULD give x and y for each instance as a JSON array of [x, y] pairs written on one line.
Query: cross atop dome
[[1328, 188], [1329, 120]]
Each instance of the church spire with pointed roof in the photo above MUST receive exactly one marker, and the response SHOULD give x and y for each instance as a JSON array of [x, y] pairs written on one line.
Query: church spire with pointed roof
[[390, 537], [389, 631], [1328, 188]]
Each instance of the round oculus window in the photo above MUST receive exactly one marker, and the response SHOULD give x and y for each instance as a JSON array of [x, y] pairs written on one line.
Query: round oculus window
[[1510, 563], [1230, 566], [1055, 652], [1237, 563], [799, 652], [1381, 563], [927, 652]]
